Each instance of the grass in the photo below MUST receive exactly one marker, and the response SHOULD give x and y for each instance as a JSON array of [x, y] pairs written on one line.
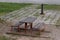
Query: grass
[[50, 7], [9, 7], [6, 38], [36, 14], [3, 38]]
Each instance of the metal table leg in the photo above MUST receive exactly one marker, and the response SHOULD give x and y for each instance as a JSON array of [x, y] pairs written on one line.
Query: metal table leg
[[31, 25], [25, 27]]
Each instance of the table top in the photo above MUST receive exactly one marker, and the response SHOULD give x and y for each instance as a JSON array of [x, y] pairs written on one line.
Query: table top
[[29, 20]]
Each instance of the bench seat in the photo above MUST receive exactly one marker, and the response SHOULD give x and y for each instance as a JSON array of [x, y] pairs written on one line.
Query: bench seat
[[39, 26], [16, 26]]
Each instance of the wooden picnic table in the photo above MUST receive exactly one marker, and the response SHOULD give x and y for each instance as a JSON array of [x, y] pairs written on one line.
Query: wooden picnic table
[[28, 20], [27, 27]]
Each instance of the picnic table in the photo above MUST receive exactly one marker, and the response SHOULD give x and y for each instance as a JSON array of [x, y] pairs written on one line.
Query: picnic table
[[27, 27], [28, 20]]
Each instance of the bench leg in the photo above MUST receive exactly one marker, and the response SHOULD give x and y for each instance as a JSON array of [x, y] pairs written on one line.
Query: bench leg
[[31, 27], [25, 27]]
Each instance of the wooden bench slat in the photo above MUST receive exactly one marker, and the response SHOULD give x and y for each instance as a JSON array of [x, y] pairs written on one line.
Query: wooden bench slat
[[16, 25], [39, 26]]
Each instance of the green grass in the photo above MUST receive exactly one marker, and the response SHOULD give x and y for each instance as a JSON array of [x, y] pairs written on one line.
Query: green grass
[[50, 7], [6, 38], [9, 7], [3, 38], [36, 14]]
